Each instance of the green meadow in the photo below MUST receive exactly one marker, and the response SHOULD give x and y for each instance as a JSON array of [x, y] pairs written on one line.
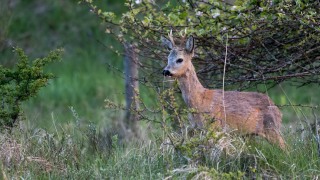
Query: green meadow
[[64, 133]]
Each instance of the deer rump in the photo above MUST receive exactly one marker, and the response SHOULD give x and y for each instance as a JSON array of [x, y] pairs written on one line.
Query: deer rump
[[248, 112]]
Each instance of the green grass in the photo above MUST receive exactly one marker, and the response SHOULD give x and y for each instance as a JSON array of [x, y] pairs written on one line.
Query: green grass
[[37, 154], [64, 121]]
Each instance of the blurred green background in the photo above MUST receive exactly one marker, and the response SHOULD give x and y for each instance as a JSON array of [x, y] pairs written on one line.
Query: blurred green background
[[83, 78]]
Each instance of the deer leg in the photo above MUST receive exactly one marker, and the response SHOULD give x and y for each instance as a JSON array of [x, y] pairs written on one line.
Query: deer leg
[[274, 137], [272, 132]]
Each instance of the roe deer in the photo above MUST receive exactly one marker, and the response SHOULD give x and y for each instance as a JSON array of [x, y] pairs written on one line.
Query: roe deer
[[247, 112]]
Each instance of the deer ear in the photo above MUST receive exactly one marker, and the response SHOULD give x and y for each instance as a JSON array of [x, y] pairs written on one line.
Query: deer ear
[[190, 44], [166, 43]]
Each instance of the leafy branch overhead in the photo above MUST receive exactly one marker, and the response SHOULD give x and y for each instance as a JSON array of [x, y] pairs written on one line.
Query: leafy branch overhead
[[268, 41], [20, 83]]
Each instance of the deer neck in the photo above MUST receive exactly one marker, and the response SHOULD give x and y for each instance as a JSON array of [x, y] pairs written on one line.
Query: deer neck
[[191, 88]]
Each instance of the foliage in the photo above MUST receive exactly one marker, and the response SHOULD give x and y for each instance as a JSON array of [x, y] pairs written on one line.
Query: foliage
[[84, 77], [212, 153], [31, 153], [268, 41], [66, 152], [20, 83]]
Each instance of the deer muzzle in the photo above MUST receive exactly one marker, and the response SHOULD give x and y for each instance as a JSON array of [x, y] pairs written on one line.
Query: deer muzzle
[[166, 73]]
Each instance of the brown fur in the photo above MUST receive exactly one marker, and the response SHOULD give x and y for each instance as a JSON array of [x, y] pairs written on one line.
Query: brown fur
[[248, 112]]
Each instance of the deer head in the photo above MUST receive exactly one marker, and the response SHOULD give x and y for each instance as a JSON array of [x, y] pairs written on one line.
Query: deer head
[[180, 56]]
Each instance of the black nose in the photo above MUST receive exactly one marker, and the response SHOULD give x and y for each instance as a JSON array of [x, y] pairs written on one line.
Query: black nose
[[166, 73]]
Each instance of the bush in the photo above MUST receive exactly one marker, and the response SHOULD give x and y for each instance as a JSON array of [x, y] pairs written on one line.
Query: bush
[[265, 42], [21, 82]]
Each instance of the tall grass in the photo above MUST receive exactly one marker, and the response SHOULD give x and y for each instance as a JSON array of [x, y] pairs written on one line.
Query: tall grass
[[33, 153], [60, 138]]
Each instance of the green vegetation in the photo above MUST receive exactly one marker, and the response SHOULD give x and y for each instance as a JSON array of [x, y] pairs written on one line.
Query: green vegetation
[[68, 134], [37, 154], [21, 83], [83, 79], [264, 42]]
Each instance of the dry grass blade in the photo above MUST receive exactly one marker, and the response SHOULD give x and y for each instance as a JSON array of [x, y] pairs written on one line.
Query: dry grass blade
[[202, 175], [10, 152], [4, 176], [43, 163]]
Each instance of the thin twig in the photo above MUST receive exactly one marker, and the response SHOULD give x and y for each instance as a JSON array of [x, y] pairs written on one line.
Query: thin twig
[[297, 105], [317, 137], [223, 78]]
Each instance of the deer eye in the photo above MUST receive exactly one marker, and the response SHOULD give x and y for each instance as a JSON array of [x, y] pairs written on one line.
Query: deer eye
[[179, 60]]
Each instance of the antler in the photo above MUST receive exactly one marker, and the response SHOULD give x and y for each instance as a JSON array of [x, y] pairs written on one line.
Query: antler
[[171, 37], [183, 34]]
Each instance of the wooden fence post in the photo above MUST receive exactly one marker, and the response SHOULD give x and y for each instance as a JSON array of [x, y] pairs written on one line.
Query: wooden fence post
[[131, 88]]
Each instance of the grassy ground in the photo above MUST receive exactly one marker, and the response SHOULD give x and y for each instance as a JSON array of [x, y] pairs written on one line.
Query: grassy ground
[[37, 154], [62, 136]]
